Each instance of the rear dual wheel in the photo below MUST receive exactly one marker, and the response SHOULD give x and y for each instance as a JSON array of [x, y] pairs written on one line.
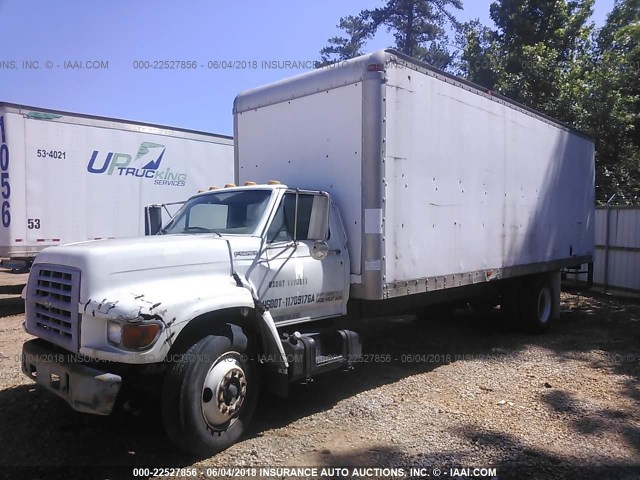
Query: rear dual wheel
[[529, 304], [536, 305]]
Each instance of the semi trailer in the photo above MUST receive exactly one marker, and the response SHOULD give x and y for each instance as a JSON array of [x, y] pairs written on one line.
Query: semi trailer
[[68, 177], [377, 186]]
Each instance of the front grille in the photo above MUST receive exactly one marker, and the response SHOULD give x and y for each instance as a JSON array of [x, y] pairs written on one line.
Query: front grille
[[52, 314]]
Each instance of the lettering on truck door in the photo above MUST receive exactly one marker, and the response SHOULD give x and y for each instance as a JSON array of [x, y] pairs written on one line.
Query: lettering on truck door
[[299, 285]]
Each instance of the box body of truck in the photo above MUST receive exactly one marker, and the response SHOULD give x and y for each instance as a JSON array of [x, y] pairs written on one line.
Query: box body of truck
[[68, 177], [440, 184]]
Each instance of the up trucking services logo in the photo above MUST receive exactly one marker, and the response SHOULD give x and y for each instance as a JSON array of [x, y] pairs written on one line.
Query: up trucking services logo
[[145, 165]]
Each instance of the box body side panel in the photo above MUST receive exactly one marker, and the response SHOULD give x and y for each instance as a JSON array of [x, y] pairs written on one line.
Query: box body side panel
[[473, 184]]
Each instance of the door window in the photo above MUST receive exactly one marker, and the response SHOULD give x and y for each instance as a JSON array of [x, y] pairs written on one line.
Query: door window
[[282, 226]]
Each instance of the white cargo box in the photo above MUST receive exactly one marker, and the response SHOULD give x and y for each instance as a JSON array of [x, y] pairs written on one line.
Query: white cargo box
[[440, 183], [68, 177]]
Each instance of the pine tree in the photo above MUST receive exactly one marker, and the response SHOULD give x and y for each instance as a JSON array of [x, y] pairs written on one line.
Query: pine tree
[[418, 27], [613, 103]]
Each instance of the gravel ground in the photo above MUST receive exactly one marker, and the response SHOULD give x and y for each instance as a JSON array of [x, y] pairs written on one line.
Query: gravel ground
[[458, 391]]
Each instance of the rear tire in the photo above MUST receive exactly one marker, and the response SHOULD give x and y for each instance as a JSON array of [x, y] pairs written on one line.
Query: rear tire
[[536, 305], [209, 395]]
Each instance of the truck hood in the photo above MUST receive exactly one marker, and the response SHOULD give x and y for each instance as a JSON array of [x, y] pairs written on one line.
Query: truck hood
[[169, 278], [139, 253]]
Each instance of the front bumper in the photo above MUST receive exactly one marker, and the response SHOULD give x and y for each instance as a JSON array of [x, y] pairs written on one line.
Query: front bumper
[[84, 388]]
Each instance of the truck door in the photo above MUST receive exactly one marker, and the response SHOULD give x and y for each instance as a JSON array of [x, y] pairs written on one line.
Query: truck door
[[301, 284]]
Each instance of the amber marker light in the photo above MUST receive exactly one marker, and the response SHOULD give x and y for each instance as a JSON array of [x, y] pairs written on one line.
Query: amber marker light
[[133, 336]]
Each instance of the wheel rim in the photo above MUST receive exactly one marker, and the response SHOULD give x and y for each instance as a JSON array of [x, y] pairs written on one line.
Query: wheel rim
[[544, 305], [224, 390]]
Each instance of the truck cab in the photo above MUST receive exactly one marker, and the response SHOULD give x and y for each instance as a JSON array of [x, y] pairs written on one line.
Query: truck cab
[[289, 244]]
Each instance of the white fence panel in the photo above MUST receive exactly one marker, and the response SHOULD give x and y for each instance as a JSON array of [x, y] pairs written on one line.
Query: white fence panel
[[616, 263]]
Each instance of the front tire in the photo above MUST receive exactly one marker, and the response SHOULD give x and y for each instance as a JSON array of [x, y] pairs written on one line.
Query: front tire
[[209, 395]]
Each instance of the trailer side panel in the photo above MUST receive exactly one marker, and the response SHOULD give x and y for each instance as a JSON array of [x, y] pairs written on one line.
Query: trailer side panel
[[86, 178]]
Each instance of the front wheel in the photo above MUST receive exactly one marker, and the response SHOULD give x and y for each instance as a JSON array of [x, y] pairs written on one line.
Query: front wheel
[[209, 394]]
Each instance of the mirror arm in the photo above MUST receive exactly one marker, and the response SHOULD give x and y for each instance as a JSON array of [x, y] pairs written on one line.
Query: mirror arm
[[291, 244], [295, 221]]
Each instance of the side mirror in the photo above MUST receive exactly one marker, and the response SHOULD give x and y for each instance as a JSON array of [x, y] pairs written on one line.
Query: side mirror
[[152, 219], [319, 250], [319, 221]]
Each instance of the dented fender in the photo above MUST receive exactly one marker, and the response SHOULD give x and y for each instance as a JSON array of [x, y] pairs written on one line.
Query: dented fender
[[136, 308], [155, 302]]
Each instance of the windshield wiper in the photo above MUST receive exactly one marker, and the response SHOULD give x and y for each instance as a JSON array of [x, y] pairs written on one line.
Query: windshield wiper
[[201, 229]]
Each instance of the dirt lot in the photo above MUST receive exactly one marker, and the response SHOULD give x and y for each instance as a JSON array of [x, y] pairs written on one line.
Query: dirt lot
[[458, 392]]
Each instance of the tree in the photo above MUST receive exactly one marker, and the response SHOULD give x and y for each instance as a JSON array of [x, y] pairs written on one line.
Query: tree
[[358, 30], [534, 49], [478, 61], [538, 52], [418, 27], [613, 103]]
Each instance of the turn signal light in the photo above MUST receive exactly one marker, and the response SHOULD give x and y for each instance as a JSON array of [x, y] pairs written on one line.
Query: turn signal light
[[139, 336], [134, 336]]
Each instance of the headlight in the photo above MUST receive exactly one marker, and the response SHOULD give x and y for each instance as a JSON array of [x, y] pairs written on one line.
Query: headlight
[[114, 332], [133, 336]]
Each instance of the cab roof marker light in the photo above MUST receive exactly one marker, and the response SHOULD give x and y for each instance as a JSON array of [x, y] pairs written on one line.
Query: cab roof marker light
[[249, 184], [214, 188], [230, 185], [273, 182]]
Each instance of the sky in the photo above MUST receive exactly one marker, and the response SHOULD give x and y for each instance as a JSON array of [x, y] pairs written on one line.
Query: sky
[[230, 47]]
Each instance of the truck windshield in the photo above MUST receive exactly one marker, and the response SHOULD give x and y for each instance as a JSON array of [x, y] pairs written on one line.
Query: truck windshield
[[221, 212]]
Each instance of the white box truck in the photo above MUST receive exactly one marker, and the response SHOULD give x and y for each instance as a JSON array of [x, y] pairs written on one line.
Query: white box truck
[[67, 177], [378, 185]]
